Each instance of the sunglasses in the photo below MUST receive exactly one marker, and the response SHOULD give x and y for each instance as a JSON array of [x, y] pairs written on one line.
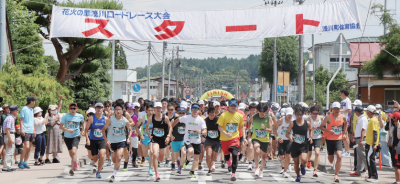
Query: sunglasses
[[73, 108], [107, 106], [262, 111], [98, 107], [171, 109], [181, 113], [195, 109], [299, 114], [315, 113]]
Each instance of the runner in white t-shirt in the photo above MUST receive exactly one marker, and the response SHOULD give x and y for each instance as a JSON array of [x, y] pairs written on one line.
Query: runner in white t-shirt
[[345, 109]]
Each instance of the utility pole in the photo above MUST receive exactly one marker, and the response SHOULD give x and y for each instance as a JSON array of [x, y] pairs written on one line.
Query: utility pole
[[3, 35], [177, 69], [148, 74], [274, 73], [163, 69], [261, 94], [385, 25], [112, 68], [201, 86], [300, 73], [169, 73], [237, 86], [313, 61]]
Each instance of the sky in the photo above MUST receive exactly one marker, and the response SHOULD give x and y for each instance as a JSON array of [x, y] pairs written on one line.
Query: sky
[[140, 59]]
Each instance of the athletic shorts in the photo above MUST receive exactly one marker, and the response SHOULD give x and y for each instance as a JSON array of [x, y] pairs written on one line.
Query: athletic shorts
[[160, 141], [272, 137], [227, 146], [118, 145], [196, 147], [146, 141], [88, 147], [72, 142], [28, 137], [18, 151], [134, 142], [1, 139], [263, 145], [215, 145], [316, 143], [177, 145], [396, 160], [297, 149], [333, 145], [97, 145], [284, 148], [241, 140]]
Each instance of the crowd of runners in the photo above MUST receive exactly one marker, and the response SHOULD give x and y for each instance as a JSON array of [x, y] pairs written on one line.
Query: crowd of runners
[[174, 132]]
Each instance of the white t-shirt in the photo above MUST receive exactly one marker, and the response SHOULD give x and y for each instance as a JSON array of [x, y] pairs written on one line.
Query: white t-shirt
[[362, 123], [345, 104], [192, 124], [142, 114]]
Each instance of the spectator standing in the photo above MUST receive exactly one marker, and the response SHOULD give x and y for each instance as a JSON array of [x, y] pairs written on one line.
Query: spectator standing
[[54, 139], [6, 112], [40, 139], [9, 137], [27, 131], [359, 138], [372, 142]]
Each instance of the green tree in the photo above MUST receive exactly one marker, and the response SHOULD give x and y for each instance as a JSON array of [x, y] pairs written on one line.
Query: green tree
[[24, 32], [286, 57], [120, 57], [385, 61], [89, 87], [16, 87], [87, 49]]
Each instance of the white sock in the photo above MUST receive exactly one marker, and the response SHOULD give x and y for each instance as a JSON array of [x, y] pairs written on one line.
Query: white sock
[[115, 172]]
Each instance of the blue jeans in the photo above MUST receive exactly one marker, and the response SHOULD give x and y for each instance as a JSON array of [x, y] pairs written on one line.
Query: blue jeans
[[40, 142]]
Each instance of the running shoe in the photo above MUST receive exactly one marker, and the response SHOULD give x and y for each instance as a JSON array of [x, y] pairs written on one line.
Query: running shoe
[[166, 163], [213, 168], [26, 165], [55, 160], [71, 172], [150, 171], [76, 165], [94, 169], [109, 163], [303, 170], [298, 178], [336, 179], [98, 175], [173, 167], [345, 154], [229, 168], [209, 173], [283, 170], [134, 165], [315, 173], [285, 175], [125, 169], [192, 174], [157, 178], [289, 169], [178, 163], [261, 175], [309, 165], [250, 167], [222, 164], [147, 158], [372, 180], [200, 167], [179, 170], [354, 173], [233, 177], [185, 165], [47, 161], [91, 162], [112, 178], [257, 172], [159, 163], [142, 164], [275, 157]]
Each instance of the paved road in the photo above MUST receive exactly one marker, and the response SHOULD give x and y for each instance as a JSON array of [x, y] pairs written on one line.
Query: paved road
[[271, 175]]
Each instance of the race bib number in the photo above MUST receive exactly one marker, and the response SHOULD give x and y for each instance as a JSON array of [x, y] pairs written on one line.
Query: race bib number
[[97, 133], [317, 131], [337, 130], [212, 134], [261, 133], [300, 139], [158, 132], [133, 129], [192, 134], [72, 125], [181, 130], [118, 131], [145, 133], [231, 127], [283, 130]]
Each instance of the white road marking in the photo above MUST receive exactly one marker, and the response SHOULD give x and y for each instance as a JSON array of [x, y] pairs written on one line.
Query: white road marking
[[120, 176], [163, 176], [280, 178]]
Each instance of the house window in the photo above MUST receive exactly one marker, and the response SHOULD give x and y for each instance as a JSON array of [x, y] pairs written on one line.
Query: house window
[[334, 64]]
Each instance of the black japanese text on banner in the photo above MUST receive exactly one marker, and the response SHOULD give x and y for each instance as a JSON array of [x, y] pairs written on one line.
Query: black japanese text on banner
[[205, 25]]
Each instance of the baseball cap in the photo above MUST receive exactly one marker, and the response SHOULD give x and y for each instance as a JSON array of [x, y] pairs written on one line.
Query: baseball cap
[[357, 102], [289, 111], [284, 105], [396, 114], [136, 104], [53, 107], [73, 104], [17, 126], [98, 104], [232, 102], [5, 106], [359, 109], [242, 106], [371, 108], [182, 109], [184, 104], [283, 110], [388, 111], [378, 106], [14, 108], [335, 105], [157, 104], [201, 102], [130, 106], [276, 105], [195, 106], [91, 110], [31, 98], [37, 110], [216, 104]]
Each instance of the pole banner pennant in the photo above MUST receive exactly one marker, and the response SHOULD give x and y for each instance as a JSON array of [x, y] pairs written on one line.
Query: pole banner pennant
[[332, 16]]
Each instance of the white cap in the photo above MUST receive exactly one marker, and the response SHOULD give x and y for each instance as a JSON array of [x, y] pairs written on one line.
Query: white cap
[[283, 110], [184, 104], [216, 104], [1, 109], [357, 102], [289, 111], [157, 104], [303, 104], [335, 105], [276, 105], [136, 104], [201, 102], [242, 106], [378, 106], [36, 110], [91, 110], [371, 108]]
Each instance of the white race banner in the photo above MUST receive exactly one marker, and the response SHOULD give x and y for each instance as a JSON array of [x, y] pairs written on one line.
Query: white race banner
[[205, 25]]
